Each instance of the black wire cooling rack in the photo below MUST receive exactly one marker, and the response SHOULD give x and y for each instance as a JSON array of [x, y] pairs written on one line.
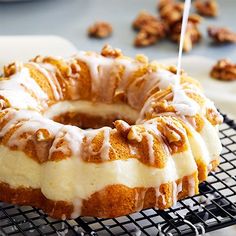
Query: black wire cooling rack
[[212, 209]]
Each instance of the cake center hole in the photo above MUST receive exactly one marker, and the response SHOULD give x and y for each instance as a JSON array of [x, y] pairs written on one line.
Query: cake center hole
[[86, 115]]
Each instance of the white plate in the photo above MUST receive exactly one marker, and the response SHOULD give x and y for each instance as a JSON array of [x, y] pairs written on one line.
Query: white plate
[[23, 48]]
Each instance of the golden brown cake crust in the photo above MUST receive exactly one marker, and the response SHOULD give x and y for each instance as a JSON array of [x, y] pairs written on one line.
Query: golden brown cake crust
[[170, 116], [104, 202]]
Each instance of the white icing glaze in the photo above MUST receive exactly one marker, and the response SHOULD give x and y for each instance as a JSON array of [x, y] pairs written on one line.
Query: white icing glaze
[[151, 129], [174, 192], [166, 78], [73, 137], [25, 87], [77, 203], [211, 139], [140, 197], [132, 150], [96, 64], [150, 140], [183, 104], [49, 72], [186, 11], [106, 144], [20, 99], [191, 186], [158, 194], [179, 187]]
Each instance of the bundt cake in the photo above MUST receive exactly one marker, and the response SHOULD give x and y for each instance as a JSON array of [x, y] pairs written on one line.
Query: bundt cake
[[103, 135]]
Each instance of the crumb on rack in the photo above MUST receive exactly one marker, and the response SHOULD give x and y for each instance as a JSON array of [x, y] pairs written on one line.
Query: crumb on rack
[[100, 29], [221, 34], [206, 7], [224, 69]]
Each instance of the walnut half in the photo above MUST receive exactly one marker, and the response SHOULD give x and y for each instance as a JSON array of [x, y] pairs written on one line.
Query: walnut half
[[224, 70], [221, 34], [151, 29], [206, 7], [100, 29]]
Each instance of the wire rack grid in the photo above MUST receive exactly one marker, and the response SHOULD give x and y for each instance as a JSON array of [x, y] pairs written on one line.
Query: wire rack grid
[[213, 208]]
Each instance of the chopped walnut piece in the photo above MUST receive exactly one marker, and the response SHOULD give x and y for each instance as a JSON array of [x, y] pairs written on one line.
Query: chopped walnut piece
[[151, 29], [192, 35], [108, 51], [221, 34], [142, 59], [224, 70], [206, 7], [43, 135], [171, 135], [11, 69], [4, 103], [135, 134], [122, 127], [100, 29], [214, 116]]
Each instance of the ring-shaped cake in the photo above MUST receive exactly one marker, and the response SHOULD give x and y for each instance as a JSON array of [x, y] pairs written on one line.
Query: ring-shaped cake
[[103, 135]]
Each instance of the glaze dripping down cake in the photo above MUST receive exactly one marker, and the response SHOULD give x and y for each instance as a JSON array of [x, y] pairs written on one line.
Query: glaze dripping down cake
[[103, 135]]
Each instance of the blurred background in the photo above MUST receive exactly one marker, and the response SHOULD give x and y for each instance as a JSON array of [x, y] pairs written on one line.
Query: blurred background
[[71, 19]]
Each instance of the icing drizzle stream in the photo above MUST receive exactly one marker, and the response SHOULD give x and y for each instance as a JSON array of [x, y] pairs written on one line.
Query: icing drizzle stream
[[182, 35]]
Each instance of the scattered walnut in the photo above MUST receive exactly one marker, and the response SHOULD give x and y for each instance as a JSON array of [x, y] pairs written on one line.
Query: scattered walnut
[[171, 11], [108, 51], [206, 7], [163, 3], [224, 70], [192, 35], [144, 18], [143, 39], [221, 34], [100, 30], [151, 29]]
